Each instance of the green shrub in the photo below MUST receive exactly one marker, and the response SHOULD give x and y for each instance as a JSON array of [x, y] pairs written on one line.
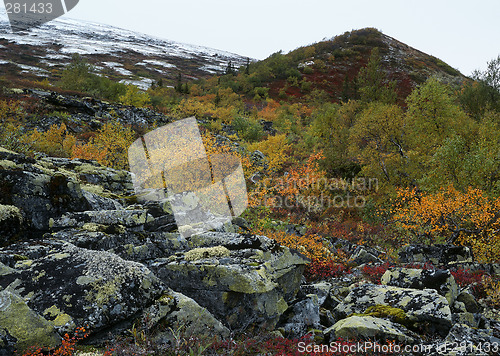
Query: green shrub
[[248, 129]]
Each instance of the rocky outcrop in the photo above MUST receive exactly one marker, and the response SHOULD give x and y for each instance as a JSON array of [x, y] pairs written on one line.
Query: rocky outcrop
[[37, 193], [79, 250], [72, 286], [254, 277], [50, 187]]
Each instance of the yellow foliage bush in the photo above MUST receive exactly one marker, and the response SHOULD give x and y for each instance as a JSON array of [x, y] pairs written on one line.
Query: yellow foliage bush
[[56, 141], [468, 218], [133, 96], [492, 289], [275, 148], [311, 246], [109, 147]]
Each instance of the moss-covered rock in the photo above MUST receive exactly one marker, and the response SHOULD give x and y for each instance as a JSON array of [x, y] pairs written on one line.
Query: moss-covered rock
[[24, 325], [426, 309], [250, 287], [369, 328], [396, 315], [439, 280], [11, 223]]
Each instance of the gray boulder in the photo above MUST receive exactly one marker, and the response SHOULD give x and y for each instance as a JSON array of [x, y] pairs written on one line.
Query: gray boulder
[[175, 312], [438, 255], [440, 280], [369, 328], [425, 309], [126, 218], [72, 287], [11, 223], [40, 194], [21, 327], [249, 285], [301, 317]]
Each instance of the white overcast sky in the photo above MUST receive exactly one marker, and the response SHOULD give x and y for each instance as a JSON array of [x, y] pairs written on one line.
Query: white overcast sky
[[465, 34]]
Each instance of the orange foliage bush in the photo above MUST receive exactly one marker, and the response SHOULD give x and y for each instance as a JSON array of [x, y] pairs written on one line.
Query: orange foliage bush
[[67, 347], [311, 246], [468, 218]]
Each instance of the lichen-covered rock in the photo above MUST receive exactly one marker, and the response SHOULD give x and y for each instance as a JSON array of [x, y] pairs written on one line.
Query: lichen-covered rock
[[71, 286], [129, 245], [248, 288], [369, 328], [22, 327], [174, 311], [469, 302], [362, 256], [440, 280], [38, 193], [98, 202], [92, 174], [426, 309], [466, 318], [206, 252], [438, 255], [11, 223], [301, 317], [127, 218], [321, 290], [464, 340]]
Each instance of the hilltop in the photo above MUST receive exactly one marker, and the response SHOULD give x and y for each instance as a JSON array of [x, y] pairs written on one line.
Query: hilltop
[[333, 65]]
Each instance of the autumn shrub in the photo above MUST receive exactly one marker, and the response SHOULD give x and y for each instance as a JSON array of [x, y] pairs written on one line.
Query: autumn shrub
[[474, 279], [276, 148], [133, 96], [311, 246], [294, 192], [56, 141], [492, 290], [67, 347], [375, 272], [322, 270], [12, 137], [109, 146], [468, 218]]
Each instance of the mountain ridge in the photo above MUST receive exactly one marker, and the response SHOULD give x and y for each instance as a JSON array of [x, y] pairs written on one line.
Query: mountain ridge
[[129, 56]]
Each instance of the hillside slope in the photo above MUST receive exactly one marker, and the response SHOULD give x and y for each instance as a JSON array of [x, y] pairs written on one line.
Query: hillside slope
[[332, 65], [121, 54]]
